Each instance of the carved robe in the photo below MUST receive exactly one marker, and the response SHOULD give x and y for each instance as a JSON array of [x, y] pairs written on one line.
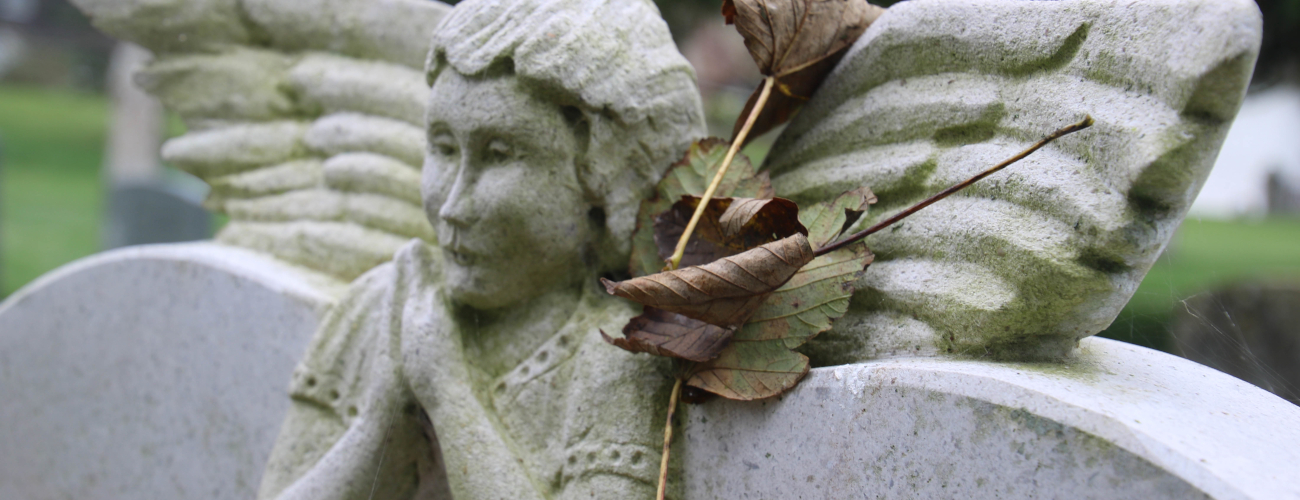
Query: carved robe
[[557, 408]]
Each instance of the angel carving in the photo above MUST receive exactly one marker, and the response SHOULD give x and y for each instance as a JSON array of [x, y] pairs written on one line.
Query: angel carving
[[465, 357]]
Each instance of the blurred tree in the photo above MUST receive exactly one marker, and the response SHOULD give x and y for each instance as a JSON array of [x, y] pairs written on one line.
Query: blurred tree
[[1279, 55], [63, 48]]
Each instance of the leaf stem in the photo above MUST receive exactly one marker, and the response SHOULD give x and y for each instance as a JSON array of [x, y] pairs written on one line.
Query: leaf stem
[[1085, 123], [668, 439], [676, 259]]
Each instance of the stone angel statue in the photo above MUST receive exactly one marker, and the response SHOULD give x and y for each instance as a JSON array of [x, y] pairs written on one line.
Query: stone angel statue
[[465, 357]]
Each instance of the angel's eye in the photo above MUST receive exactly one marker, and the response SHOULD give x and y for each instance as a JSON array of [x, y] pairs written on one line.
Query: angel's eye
[[499, 151], [443, 146]]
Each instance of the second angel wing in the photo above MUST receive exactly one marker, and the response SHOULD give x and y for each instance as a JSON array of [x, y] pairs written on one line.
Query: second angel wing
[[1047, 252], [304, 116]]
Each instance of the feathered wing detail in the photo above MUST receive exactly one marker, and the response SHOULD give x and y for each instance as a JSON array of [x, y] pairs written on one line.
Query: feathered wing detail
[[1047, 252], [304, 116]]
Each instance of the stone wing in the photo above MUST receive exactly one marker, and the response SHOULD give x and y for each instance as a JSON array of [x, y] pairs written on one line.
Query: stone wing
[[304, 116], [1047, 252]]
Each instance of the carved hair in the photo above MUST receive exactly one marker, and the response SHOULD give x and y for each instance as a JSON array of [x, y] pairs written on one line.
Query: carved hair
[[613, 60]]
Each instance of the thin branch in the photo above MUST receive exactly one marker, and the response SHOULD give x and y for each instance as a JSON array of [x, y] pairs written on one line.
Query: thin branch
[[1087, 122], [668, 439], [676, 259]]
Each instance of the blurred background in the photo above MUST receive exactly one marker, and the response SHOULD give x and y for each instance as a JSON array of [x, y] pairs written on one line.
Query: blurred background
[[79, 173]]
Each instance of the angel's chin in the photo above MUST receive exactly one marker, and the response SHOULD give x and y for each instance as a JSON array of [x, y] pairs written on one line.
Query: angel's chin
[[466, 286]]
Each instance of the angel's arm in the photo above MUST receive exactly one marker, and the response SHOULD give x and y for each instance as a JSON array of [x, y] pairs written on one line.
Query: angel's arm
[[480, 460], [354, 429]]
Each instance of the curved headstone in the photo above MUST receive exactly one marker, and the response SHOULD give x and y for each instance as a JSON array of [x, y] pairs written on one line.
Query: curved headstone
[[1118, 422], [150, 372]]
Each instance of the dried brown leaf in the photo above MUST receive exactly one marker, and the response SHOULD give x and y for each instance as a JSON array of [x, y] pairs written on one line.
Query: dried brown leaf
[[690, 176], [798, 42], [727, 227], [669, 334], [723, 292], [785, 36], [759, 362]]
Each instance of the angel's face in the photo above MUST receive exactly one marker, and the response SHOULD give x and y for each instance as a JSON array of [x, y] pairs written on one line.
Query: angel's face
[[501, 188]]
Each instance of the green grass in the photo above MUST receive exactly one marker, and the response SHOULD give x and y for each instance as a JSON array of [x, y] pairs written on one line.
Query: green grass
[[1205, 254], [51, 197]]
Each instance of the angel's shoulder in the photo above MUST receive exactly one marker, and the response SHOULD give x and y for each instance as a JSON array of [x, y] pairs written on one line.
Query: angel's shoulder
[[418, 265]]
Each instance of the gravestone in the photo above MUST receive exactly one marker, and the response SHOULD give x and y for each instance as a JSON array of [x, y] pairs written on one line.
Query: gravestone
[[145, 205], [1283, 196], [964, 366], [2, 214], [150, 372], [1118, 421], [154, 211]]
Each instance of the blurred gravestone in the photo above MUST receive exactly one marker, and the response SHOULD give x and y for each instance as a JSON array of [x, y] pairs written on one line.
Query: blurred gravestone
[[154, 212], [144, 205], [2, 217], [1250, 331], [12, 46], [1283, 194]]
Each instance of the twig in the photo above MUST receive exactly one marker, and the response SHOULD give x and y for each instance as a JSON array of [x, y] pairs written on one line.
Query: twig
[[1087, 122], [668, 439], [676, 259]]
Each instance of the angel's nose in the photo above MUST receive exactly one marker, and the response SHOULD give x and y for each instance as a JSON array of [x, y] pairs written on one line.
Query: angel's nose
[[458, 208]]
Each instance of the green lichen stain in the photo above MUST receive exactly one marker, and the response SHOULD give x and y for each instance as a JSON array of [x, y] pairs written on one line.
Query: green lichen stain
[[1058, 59], [1039, 425], [1102, 260], [979, 131], [1078, 368]]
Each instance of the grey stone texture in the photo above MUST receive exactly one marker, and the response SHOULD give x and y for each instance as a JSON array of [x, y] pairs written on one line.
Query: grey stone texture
[[1029, 261], [1117, 422], [154, 371], [304, 117]]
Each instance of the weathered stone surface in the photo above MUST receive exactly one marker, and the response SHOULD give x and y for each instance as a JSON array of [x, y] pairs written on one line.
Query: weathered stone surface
[[341, 249], [393, 30], [1247, 330], [332, 84], [151, 372], [282, 99], [1030, 260], [350, 132], [289, 176], [170, 25], [241, 83], [1119, 421], [390, 30], [372, 173], [367, 210], [236, 148]]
